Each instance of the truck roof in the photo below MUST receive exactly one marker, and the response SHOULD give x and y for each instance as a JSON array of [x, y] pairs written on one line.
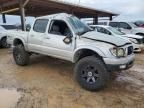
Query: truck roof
[[57, 16], [104, 26]]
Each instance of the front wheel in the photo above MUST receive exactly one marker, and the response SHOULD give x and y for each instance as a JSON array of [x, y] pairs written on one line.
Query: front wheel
[[91, 73], [21, 56]]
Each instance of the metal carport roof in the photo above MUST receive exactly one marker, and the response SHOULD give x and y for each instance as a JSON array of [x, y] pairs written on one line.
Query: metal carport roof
[[44, 7]]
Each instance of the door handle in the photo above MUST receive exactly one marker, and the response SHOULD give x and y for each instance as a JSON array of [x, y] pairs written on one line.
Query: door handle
[[47, 37], [32, 35]]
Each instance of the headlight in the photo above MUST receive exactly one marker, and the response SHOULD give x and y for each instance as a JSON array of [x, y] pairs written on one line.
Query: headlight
[[118, 52], [133, 41]]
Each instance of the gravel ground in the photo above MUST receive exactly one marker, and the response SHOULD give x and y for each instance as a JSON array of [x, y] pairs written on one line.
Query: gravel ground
[[49, 83]]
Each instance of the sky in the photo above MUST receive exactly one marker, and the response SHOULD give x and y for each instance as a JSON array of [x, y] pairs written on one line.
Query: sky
[[129, 10]]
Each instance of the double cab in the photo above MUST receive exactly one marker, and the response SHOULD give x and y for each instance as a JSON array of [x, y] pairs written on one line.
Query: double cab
[[64, 36]]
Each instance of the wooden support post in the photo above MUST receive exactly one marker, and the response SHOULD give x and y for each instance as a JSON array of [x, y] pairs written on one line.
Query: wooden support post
[[4, 18], [111, 18], [22, 15], [95, 20]]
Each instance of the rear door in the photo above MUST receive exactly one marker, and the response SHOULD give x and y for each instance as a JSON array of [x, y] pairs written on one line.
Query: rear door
[[37, 34]]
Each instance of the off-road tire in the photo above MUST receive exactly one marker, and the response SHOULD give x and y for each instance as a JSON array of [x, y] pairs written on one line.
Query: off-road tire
[[97, 67], [3, 43], [21, 56]]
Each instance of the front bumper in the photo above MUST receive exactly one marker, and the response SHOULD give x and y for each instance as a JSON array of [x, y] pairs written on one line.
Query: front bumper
[[118, 64]]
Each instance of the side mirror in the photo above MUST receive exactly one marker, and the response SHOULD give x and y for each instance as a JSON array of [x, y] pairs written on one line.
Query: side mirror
[[110, 33], [67, 40], [129, 27], [28, 27]]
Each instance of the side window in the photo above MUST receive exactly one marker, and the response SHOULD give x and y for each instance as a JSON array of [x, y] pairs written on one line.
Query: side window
[[113, 24], [40, 25], [94, 28], [124, 25], [103, 30], [59, 27]]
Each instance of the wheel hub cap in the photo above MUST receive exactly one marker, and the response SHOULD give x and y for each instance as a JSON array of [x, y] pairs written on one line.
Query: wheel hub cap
[[90, 74]]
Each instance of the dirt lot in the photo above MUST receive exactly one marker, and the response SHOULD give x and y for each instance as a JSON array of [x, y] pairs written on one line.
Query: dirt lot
[[49, 83]]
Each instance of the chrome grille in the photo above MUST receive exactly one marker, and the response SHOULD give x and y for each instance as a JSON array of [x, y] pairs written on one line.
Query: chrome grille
[[130, 50]]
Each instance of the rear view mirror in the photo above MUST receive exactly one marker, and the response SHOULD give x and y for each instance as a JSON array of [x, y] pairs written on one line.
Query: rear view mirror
[[129, 27], [28, 27]]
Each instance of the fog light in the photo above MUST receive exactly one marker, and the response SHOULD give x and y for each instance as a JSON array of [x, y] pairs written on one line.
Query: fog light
[[122, 66]]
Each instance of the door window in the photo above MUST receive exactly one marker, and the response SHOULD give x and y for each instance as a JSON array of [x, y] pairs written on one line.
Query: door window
[[124, 25], [103, 30], [60, 28], [113, 24], [40, 25]]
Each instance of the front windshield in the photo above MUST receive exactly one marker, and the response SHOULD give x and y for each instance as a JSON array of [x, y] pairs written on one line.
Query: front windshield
[[115, 31], [79, 27]]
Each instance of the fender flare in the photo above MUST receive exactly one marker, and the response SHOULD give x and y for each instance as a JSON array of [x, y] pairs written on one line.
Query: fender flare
[[22, 40], [94, 49]]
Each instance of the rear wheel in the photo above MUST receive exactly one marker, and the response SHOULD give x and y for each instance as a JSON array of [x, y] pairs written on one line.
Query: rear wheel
[[4, 43], [21, 56], [91, 73]]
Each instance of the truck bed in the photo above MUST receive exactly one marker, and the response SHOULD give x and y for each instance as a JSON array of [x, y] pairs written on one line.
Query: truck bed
[[11, 34]]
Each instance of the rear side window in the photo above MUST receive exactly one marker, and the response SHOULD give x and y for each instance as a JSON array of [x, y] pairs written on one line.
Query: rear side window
[[9, 27], [103, 30], [40, 25], [113, 24]]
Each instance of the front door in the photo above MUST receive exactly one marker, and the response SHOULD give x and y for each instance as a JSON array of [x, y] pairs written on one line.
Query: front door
[[54, 42]]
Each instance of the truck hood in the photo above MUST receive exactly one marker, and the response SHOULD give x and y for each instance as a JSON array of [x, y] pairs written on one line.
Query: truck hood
[[133, 36], [116, 41]]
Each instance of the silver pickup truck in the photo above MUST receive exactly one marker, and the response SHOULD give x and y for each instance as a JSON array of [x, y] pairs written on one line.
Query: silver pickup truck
[[65, 37]]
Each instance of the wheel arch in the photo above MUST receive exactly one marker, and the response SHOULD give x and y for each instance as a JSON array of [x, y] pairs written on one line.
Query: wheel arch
[[18, 41], [3, 37], [84, 52]]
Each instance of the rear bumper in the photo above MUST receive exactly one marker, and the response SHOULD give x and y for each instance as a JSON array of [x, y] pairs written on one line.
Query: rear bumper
[[117, 64]]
